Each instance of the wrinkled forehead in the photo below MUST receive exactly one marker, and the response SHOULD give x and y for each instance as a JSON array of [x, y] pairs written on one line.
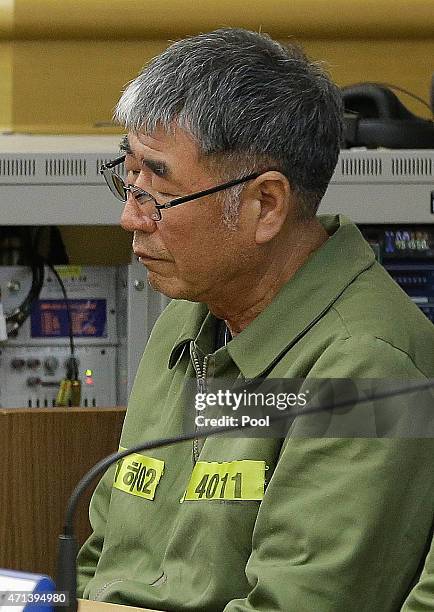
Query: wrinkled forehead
[[174, 156], [162, 143]]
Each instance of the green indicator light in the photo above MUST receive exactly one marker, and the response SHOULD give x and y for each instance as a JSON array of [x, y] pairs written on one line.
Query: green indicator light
[[88, 373]]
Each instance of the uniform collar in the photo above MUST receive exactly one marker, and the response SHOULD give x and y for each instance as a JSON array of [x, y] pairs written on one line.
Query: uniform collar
[[195, 314], [300, 303]]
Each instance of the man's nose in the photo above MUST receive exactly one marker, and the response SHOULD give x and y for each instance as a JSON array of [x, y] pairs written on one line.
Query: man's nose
[[136, 217]]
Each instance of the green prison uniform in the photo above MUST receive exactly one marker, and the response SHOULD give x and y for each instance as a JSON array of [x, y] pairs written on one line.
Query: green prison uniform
[[344, 523]]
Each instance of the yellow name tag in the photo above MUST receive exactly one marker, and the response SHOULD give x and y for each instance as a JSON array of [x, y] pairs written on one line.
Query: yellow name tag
[[234, 480], [138, 475]]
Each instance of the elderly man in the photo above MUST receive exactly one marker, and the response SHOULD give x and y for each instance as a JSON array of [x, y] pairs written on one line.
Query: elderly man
[[232, 140]]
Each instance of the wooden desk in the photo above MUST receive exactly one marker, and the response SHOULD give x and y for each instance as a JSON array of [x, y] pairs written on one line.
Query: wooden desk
[[43, 454], [85, 605]]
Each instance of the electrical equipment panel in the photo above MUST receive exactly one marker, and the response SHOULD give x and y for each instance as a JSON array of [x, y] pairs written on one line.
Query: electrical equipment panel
[[55, 180], [407, 253], [383, 186], [112, 311], [33, 362], [30, 375]]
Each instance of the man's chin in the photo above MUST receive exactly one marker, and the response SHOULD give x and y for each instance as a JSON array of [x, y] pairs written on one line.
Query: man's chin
[[170, 287]]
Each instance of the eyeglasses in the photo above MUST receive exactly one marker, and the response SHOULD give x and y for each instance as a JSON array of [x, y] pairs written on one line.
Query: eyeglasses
[[120, 189]]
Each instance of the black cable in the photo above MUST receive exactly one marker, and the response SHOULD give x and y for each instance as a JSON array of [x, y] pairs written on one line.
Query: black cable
[[68, 310], [69, 390], [29, 248], [19, 315], [410, 94], [72, 368], [402, 90]]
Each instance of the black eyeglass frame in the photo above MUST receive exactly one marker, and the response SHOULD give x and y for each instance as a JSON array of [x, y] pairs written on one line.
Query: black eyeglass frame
[[141, 194]]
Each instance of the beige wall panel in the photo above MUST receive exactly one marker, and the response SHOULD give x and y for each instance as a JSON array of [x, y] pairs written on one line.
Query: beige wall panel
[[7, 19], [140, 19], [6, 63], [72, 86]]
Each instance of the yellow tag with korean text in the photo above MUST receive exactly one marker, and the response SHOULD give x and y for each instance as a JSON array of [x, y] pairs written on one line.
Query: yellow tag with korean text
[[230, 480], [138, 475]]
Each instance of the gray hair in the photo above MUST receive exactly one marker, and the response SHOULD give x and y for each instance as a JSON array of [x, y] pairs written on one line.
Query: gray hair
[[250, 103]]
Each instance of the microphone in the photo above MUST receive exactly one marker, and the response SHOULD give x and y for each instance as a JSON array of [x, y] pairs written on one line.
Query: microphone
[[67, 550]]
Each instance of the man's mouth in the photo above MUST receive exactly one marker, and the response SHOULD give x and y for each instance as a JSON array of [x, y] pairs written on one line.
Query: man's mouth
[[141, 256]]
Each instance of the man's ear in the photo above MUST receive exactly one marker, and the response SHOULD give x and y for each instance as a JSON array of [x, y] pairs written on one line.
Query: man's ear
[[273, 204]]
